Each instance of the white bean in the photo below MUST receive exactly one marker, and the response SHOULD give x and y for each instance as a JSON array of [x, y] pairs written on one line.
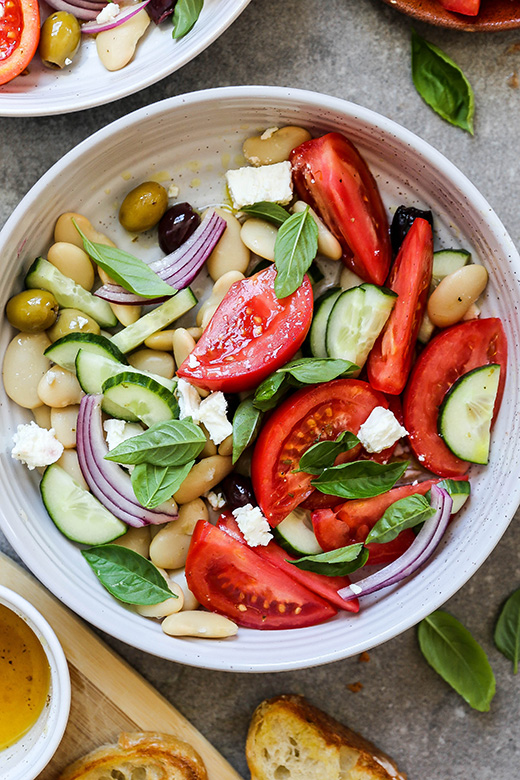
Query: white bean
[[64, 421], [210, 448], [226, 447], [69, 462], [349, 279], [64, 230], [72, 321], [190, 514], [260, 237], [162, 340], [24, 366], [116, 47], [230, 254], [453, 296], [169, 547], [203, 476], [328, 245], [197, 623], [72, 261], [59, 388], [154, 361], [183, 344], [166, 607], [218, 293], [126, 315], [195, 332], [42, 416], [274, 145], [136, 539], [179, 576]]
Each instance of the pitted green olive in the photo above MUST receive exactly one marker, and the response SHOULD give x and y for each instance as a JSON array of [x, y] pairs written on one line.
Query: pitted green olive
[[72, 321], [59, 39], [143, 207], [32, 311]]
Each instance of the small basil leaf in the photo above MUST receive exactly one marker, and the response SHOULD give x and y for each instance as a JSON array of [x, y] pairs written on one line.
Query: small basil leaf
[[323, 454], [271, 212], [507, 631], [130, 272], [336, 563], [294, 250], [185, 15], [442, 84], [170, 443], [269, 392], [127, 575], [451, 650], [246, 424], [359, 479], [310, 371], [154, 484], [405, 513]]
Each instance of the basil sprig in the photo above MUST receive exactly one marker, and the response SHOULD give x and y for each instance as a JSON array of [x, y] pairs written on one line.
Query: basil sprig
[[359, 479], [153, 484], [246, 424], [336, 563], [295, 248], [451, 650], [127, 575], [442, 84], [271, 212], [185, 15], [507, 630], [405, 513], [130, 272], [323, 454], [171, 443]]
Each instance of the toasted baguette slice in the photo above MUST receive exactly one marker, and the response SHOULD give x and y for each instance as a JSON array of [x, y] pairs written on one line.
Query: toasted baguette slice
[[290, 738], [146, 755]]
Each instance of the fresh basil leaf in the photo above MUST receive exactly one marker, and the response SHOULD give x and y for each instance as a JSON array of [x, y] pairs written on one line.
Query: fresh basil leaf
[[451, 650], [171, 443], [336, 563], [185, 15], [359, 479], [507, 630], [310, 371], [271, 212], [323, 454], [246, 424], [295, 248], [154, 484], [127, 575], [405, 513], [442, 84], [130, 272], [269, 392]]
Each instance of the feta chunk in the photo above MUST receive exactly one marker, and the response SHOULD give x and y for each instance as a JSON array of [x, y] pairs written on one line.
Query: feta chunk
[[173, 191], [215, 500], [272, 183], [213, 416], [254, 526], [267, 134], [189, 400], [36, 447], [118, 431], [108, 13], [380, 430]]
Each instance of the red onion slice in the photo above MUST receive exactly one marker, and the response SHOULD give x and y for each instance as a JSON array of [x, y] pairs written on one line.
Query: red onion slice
[[86, 14], [422, 548], [124, 15]]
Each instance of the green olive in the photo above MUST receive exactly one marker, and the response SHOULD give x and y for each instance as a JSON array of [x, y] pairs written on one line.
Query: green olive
[[143, 207], [72, 321], [32, 311], [59, 39]]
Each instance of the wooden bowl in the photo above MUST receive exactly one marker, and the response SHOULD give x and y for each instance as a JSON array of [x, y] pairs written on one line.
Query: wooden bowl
[[494, 14]]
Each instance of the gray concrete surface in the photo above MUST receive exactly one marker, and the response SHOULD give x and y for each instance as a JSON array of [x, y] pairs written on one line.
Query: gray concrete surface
[[359, 50]]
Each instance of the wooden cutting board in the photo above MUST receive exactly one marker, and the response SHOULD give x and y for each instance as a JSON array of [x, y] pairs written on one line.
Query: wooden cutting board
[[108, 696]]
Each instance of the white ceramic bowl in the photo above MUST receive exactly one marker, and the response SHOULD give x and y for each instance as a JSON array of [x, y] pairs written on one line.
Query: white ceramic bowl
[[29, 755], [87, 83], [194, 138]]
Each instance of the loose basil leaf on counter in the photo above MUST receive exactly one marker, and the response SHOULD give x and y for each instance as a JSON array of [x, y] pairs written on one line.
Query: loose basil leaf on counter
[[269, 392], [127, 575], [405, 513], [130, 272], [336, 563], [323, 454], [185, 15], [451, 650], [271, 212], [310, 371], [360, 479], [507, 630], [246, 423], [155, 484], [295, 248], [170, 443], [442, 84]]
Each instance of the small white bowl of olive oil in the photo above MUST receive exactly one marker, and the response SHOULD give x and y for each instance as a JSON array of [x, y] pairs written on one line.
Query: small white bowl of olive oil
[[34, 689]]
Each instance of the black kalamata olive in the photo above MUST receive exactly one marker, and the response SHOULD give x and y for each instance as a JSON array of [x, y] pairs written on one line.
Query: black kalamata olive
[[176, 226], [402, 222], [159, 10], [238, 491]]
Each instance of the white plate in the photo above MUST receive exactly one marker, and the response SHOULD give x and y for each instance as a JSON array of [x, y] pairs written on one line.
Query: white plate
[[86, 83], [200, 135]]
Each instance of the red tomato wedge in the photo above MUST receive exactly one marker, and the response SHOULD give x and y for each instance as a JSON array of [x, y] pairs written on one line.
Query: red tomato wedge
[[469, 7], [390, 359], [449, 355], [251, 334], [19, 36], [228, 577], [326, 587], [313, 414], [330, 175]]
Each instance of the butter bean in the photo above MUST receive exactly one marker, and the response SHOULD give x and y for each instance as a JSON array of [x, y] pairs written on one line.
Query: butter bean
[[203, 476], [195, 332], [179, 576], [24, 366], [453, 296], [226, 447], [183, 344], [69, 462], [162, 340], [72, 261], [126, 315], [210, 448], [197, 623], [154, 361], [218, 293], [190, 514], [169, 547], [166, 607], [64, 230], [116, 47], [64, 422], [59, 388], [230, 254], [72, 321], [274, 145], [105, 278], [349, 279], [42, 416], [136, 539], [260, 237], [328, 245]]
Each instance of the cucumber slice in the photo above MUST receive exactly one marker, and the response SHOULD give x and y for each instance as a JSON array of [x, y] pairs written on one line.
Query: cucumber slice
[[295, 535], [141, 396], [459, 491], [466, 413], [446, 261], [356, 320], [322, 309], [64, 350], [157, 319], [93, 370], [43, 275], [75, 511]]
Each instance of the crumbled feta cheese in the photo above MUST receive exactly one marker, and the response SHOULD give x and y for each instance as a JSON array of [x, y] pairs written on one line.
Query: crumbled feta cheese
[[189, 400], [173, 191], [213, 415], [193, 362], [118, 431], [272, 183], [216, 500], [355, 588], [35, 446], [108, 13], [380, 430], [267, 134], [253, 525]]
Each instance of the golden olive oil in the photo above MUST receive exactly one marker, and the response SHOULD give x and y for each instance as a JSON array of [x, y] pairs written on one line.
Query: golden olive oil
[[24, 677]]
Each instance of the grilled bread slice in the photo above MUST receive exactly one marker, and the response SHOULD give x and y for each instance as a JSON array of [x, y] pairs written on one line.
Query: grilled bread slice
[[290, 738]]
